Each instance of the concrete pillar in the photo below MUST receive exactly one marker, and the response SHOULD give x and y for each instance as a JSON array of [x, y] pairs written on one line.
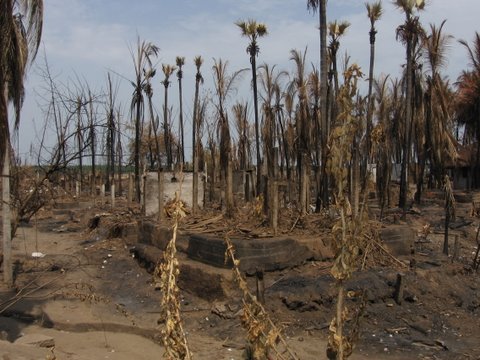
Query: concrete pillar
[[112, 193]]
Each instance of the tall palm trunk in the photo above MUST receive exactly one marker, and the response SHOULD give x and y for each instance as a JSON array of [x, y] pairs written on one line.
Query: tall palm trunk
[[167, 71], [160, 175], [224, 84], [143, 58], [408, 33], [402, 203], [322, 14], [20, 33], [92, 145], [6, 218], [370, 103], [166, 130], [136, 158], [119, 156], [180, 61], [80, 142], [6, 210], [110, 138], [257, 126], [374, 12], [253, 31], [194, 144]]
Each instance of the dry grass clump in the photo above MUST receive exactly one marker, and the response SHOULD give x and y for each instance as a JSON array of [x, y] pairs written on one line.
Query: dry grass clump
[[81, 291], [173, 336], [350, 230], [264, 338]]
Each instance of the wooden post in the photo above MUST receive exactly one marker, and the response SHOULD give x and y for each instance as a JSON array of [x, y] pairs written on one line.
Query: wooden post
[[399, 286], [274, 193], [93, 186], [252, 182], [204, 190], [229, 200], [77, 189], [455, 249], [194, 179], [161, 204], [93, 190], [475, 259], [246, 186], [7, 231], [112, 193], [143, 196], [447, 224], [102, 194], [304, 186], [130, 188], [260, 286]]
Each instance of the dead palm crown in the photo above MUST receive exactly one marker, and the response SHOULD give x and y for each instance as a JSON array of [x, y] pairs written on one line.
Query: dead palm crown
[[167, 72], [253, 30], [21, 23]]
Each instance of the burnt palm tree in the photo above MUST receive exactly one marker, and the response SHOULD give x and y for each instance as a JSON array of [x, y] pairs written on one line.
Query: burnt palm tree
[[253, 30], [279, 110], [270, 81], [21, 29], [320, 6], [111, 132], [240, 112], [20, 33], [467, 103], [79, 136], [92, 138], [408, 33], [167, 72], [142, 59], [180, 61], [149, 73], [303, 145], [198, 61], [374, 11], [119, 151], [439, 142], [382, 136], [224, 86], [335, 31], [290, 136]]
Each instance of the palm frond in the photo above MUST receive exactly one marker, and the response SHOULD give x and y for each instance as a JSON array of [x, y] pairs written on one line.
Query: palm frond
[[436, 44], [313, 5], [374, 11], [251, 29], [180, 61]]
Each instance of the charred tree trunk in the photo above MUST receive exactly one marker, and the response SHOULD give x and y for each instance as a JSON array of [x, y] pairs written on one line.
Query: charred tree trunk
[[194, 144], [259, 185], [322, 13], [6, 218]]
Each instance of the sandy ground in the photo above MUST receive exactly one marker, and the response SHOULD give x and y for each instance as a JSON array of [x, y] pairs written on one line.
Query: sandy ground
[[92, 300]]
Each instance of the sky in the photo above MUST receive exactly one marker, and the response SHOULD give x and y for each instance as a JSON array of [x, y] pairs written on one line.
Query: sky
[[85, 39]]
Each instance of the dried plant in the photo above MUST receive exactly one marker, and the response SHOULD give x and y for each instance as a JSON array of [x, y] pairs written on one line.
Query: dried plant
[[52, 355], [81, 291], [449, 210], [351, 229], [257, 207], [173, 336], [262, 334], [425, 231]]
